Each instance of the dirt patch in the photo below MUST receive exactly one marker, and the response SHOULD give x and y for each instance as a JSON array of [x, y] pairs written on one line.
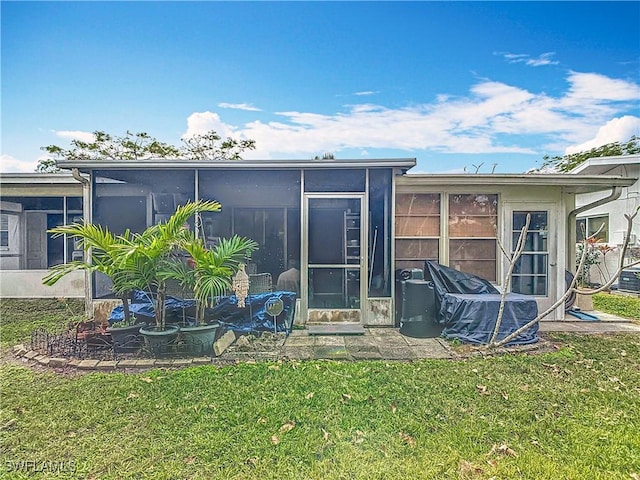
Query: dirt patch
[[254, 343]]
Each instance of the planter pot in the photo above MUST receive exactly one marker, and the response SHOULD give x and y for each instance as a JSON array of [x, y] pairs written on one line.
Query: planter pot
[[584, 302], [159, 341], [199, 340], [126, 339]]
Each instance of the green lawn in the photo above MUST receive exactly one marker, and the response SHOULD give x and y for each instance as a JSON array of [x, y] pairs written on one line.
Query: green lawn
[[18, 318], [568, 414], [623, 306]]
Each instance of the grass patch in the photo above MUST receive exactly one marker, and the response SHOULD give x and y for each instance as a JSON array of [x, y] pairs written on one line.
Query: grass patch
[[572, 413], [620, 305], [18, 318]]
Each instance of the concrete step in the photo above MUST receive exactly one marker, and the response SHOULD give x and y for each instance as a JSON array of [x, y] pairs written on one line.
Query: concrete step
[[335, 329]]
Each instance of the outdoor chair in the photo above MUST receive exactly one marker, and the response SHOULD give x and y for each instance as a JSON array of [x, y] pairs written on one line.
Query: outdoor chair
[[260, 283]]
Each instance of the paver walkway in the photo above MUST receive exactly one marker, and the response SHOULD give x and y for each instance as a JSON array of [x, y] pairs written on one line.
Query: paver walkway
[[606, 323], [390, 344], [376, 344]]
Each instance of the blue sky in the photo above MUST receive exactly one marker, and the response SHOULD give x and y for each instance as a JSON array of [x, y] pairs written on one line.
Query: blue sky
[[454, 84]]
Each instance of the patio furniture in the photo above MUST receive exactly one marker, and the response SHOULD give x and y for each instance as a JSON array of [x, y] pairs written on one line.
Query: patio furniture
[[260, 283]]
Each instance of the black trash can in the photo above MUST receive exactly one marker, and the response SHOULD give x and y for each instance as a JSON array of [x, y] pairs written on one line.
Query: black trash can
[[402, 275], [418, 309]]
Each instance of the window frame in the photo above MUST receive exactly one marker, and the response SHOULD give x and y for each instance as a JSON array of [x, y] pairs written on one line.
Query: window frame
[[399, 239], [444, 237], [603, 235], [4, 232]]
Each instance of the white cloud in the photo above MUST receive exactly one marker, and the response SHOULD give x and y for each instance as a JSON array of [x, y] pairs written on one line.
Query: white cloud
[[200, 123], [594, 86], [12, 164], [75, 135], [365, 93], [616, 130], [544, 59], [539, 61], [240, 106], [493, 117]]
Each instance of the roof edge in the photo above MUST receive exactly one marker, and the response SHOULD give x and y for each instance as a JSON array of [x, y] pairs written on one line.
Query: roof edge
[[85, 165]]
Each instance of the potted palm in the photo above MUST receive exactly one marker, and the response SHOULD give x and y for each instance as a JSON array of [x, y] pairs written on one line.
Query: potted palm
[[147, 263], [209, 273], [102, 254]]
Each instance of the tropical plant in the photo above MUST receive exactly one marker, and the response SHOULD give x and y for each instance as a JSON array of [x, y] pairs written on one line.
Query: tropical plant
[[591, 257], [210, 270], [148, 261], [102, 254], [133, 261]]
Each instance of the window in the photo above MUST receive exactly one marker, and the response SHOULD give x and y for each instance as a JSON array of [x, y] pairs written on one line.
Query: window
[[469, 231], [4, 231], [591, 225], [531, 272], [417, 228], [472, 233]]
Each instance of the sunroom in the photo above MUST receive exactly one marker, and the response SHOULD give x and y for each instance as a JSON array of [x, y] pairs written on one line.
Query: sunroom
[[326, 222]]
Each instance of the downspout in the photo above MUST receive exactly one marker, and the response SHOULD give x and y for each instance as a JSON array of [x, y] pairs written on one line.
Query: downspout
[[86, 214], [571, 238]]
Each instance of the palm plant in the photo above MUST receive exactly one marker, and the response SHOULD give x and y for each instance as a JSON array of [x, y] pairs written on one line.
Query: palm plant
[[133, 260], [147, 262], [105, 248], [213, 268]]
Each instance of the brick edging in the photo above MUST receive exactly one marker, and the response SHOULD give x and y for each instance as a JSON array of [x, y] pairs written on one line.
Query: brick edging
[[21, 351]]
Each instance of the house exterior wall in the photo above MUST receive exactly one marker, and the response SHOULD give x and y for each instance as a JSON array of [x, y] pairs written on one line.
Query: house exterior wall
[[514, 193], [510, 198], [31, 194], [28, 284], [628, 202]]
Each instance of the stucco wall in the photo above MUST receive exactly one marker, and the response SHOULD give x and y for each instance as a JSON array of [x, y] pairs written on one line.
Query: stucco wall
[[28, 284], [627, 203]]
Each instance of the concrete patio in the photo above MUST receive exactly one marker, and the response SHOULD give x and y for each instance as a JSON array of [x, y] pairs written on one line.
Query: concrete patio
[[390, 344], [375, 344]]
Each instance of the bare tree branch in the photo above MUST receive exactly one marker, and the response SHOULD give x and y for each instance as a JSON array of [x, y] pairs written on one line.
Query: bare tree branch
[[572, 287], [506, 287]]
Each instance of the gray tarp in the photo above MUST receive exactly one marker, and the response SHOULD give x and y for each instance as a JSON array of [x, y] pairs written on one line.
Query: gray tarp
[[468, 307], [472, 318]]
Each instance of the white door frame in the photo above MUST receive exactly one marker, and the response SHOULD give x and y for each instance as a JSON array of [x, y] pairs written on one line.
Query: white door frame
[[304, 266], [555, 281]]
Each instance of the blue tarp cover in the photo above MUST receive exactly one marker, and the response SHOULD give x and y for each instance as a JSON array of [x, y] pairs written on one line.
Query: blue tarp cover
[[468, 306], [471, 318], [251, 318]]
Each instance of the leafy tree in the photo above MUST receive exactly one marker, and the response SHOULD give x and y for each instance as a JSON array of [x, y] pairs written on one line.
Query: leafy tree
[[325, 156], [47, 165], [137, 146], [208, 146], [567, 163]]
